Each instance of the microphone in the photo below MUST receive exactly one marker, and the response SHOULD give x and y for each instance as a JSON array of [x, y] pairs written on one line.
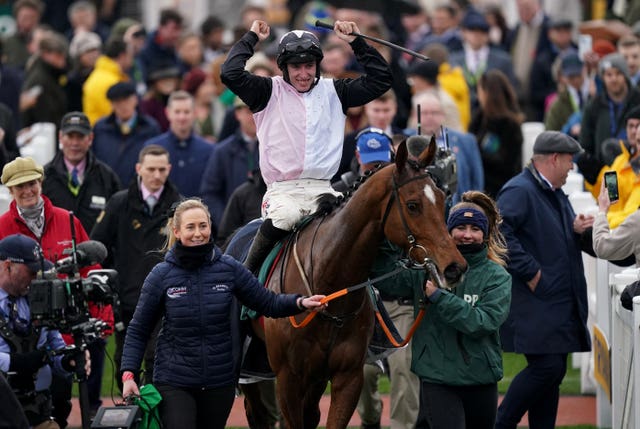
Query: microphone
[[87, 253]]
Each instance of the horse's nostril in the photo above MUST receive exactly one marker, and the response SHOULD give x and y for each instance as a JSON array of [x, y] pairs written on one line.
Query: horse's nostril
[[453, 273]]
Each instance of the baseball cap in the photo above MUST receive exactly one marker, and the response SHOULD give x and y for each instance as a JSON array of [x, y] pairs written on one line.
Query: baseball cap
[[21, 249], [373, 145], [556, 142], [75, 122], [21, 170]]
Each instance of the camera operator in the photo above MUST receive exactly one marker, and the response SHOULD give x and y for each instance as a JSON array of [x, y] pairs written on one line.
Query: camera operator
[[23, 347]]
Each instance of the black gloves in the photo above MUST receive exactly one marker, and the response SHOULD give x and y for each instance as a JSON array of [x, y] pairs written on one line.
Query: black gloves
[[27, 363]]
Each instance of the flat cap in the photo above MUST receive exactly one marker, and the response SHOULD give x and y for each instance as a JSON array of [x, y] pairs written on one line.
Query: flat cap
[[556, 142], [121, 90], [21, 170]]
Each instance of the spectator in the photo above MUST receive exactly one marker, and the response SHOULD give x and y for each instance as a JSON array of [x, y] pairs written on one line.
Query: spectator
[[75, 179], [478, 56], [44, 77], [457, 347], [179, 354], [83, 17], [212, 31], [528, 39], [34, 215], [379, 113], [629, 48], [283, 127], [617, 243], [452, 80], [162, 80], [559, 32], [27, 14], [231, 163], [498, 28], [188, 152], [565, 113], [84, 52], [119, 137], [423, 76], [131, 228], [444, 28], [464, 145], [549, 307], [625, 165], [110, 68], [28, 361], [190, 52], [496, 126], [604, 115], [161, 44]]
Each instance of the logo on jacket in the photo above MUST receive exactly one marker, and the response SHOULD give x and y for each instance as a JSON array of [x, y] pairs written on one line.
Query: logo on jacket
[[176, 292], [220, 288], [471, 299]]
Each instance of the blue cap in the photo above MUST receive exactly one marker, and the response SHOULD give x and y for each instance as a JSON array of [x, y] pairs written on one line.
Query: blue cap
[[21, 249], [474, 20], [571, 64], [373, 145]]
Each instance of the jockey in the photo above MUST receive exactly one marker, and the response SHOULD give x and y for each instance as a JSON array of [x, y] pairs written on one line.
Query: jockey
[[300, 120]]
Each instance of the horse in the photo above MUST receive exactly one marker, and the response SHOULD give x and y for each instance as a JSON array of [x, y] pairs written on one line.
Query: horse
[[335, 250]]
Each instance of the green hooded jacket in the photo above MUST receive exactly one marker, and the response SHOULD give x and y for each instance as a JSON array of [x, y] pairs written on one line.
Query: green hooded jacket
[[458, 341]]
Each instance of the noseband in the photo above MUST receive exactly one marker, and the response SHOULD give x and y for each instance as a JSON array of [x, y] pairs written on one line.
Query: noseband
[[427, 263]]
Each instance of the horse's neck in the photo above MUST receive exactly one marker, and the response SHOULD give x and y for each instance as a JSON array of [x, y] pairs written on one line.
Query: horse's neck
[[351, 236]]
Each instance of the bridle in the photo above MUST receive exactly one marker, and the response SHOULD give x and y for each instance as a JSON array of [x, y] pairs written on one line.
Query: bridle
[[427, 263]]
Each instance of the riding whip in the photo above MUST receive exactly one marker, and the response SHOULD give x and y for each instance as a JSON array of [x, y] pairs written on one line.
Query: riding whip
[[381, 41]]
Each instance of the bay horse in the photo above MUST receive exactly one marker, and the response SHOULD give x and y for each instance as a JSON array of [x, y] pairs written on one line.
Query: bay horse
[[400, 202]]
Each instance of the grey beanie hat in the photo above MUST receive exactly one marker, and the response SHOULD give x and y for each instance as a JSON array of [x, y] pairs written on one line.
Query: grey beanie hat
[[614, 60]]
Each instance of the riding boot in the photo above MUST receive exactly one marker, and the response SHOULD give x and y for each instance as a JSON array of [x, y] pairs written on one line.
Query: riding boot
[[267, 236]]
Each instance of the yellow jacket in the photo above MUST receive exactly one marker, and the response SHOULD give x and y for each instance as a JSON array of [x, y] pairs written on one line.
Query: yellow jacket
[[628, 188], [105, 74], [451, 79]]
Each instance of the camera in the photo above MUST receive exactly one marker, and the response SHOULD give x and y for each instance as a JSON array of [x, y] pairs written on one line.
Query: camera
[[63, 303], [444, 170]]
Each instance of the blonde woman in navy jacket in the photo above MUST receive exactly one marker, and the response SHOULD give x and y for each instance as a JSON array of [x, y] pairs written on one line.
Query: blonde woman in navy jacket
[[195, 293]]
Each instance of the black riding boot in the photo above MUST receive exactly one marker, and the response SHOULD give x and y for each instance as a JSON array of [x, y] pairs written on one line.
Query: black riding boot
[[267, 236]]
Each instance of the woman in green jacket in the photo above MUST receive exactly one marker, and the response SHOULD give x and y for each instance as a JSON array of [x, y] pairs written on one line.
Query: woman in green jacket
[[456, 350]]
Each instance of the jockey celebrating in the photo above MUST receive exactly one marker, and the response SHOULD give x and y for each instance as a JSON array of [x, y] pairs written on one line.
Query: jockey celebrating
[[300, 120]]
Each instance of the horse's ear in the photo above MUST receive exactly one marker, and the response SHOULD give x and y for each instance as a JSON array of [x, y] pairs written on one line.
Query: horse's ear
[[401, 156], [427, 155]]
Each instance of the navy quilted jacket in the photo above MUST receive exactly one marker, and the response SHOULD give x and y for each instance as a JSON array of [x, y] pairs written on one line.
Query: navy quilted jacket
[[199, 343]]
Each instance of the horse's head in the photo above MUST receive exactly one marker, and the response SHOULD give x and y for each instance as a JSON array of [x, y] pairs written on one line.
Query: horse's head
[[414, 214]]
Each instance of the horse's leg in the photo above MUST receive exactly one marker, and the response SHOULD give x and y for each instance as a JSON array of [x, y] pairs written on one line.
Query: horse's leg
[[345, 391], [311, 404], [290, 391]]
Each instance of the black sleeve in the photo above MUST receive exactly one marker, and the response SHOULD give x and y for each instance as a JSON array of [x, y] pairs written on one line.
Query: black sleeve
[[376, 81], [253, 90]]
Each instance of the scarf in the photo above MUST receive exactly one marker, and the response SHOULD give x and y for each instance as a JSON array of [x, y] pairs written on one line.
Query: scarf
[[192, 257], [34, 217], [467, 249]]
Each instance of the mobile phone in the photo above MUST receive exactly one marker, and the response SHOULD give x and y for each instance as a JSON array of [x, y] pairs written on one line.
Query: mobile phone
[[585, 44], [611, 183]]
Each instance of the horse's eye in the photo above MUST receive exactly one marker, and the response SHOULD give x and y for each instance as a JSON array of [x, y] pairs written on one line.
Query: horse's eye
[[413, 207]]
